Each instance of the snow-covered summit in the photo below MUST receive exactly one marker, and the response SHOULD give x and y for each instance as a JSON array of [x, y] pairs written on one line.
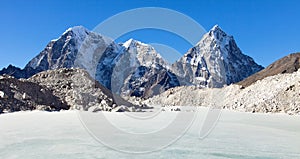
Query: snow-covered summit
[[78, 30], [146, 54], [135, 43], [218, 34], [127, 44], [63, 52], [216, 28], [81, 33]]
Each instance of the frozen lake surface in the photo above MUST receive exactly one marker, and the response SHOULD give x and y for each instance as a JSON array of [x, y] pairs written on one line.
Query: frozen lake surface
[[61, 135]]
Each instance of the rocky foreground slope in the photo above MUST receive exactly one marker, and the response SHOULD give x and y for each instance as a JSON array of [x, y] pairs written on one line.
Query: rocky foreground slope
[[79, 90], [279, 93], [21, 95], [59, 89]]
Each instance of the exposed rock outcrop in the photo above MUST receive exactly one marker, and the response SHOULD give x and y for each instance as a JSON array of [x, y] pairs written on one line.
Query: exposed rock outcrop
[[21, 95], [287, 64]]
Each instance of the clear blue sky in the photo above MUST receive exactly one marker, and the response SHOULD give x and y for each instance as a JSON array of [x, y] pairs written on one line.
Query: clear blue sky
[[264, 29]]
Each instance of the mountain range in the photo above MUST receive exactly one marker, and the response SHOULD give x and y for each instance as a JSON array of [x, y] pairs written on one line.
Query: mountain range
[[87, 71], [136, 69]]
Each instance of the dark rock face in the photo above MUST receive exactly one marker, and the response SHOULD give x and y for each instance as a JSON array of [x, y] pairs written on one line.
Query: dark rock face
[[21, 95], [141, 72], [106, 65], [17, 72], [157, 81], [215, 61], [287, 64]]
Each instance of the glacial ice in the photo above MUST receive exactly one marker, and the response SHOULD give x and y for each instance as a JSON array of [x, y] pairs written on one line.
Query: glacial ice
[[43, 135]]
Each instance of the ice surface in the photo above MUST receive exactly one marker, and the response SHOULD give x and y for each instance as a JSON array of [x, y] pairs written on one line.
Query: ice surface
[[44, 135]]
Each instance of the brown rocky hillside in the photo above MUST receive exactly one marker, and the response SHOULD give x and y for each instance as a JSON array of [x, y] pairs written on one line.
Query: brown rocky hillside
[[287, 64]]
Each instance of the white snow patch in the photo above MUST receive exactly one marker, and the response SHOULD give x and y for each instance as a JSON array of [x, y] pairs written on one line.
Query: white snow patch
[[2, 94], [127, 43]]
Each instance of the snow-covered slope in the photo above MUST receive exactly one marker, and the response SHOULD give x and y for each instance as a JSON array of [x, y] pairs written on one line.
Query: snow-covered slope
[[215, 61]]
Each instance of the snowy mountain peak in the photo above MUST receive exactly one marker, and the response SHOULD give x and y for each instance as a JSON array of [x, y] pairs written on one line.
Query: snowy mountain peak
[[78, 30], [218, 34], [128, 43], [223, 61], [78, 33], [75, 45], [216, 27], [134, 43], [145, 53], [141, 50]]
